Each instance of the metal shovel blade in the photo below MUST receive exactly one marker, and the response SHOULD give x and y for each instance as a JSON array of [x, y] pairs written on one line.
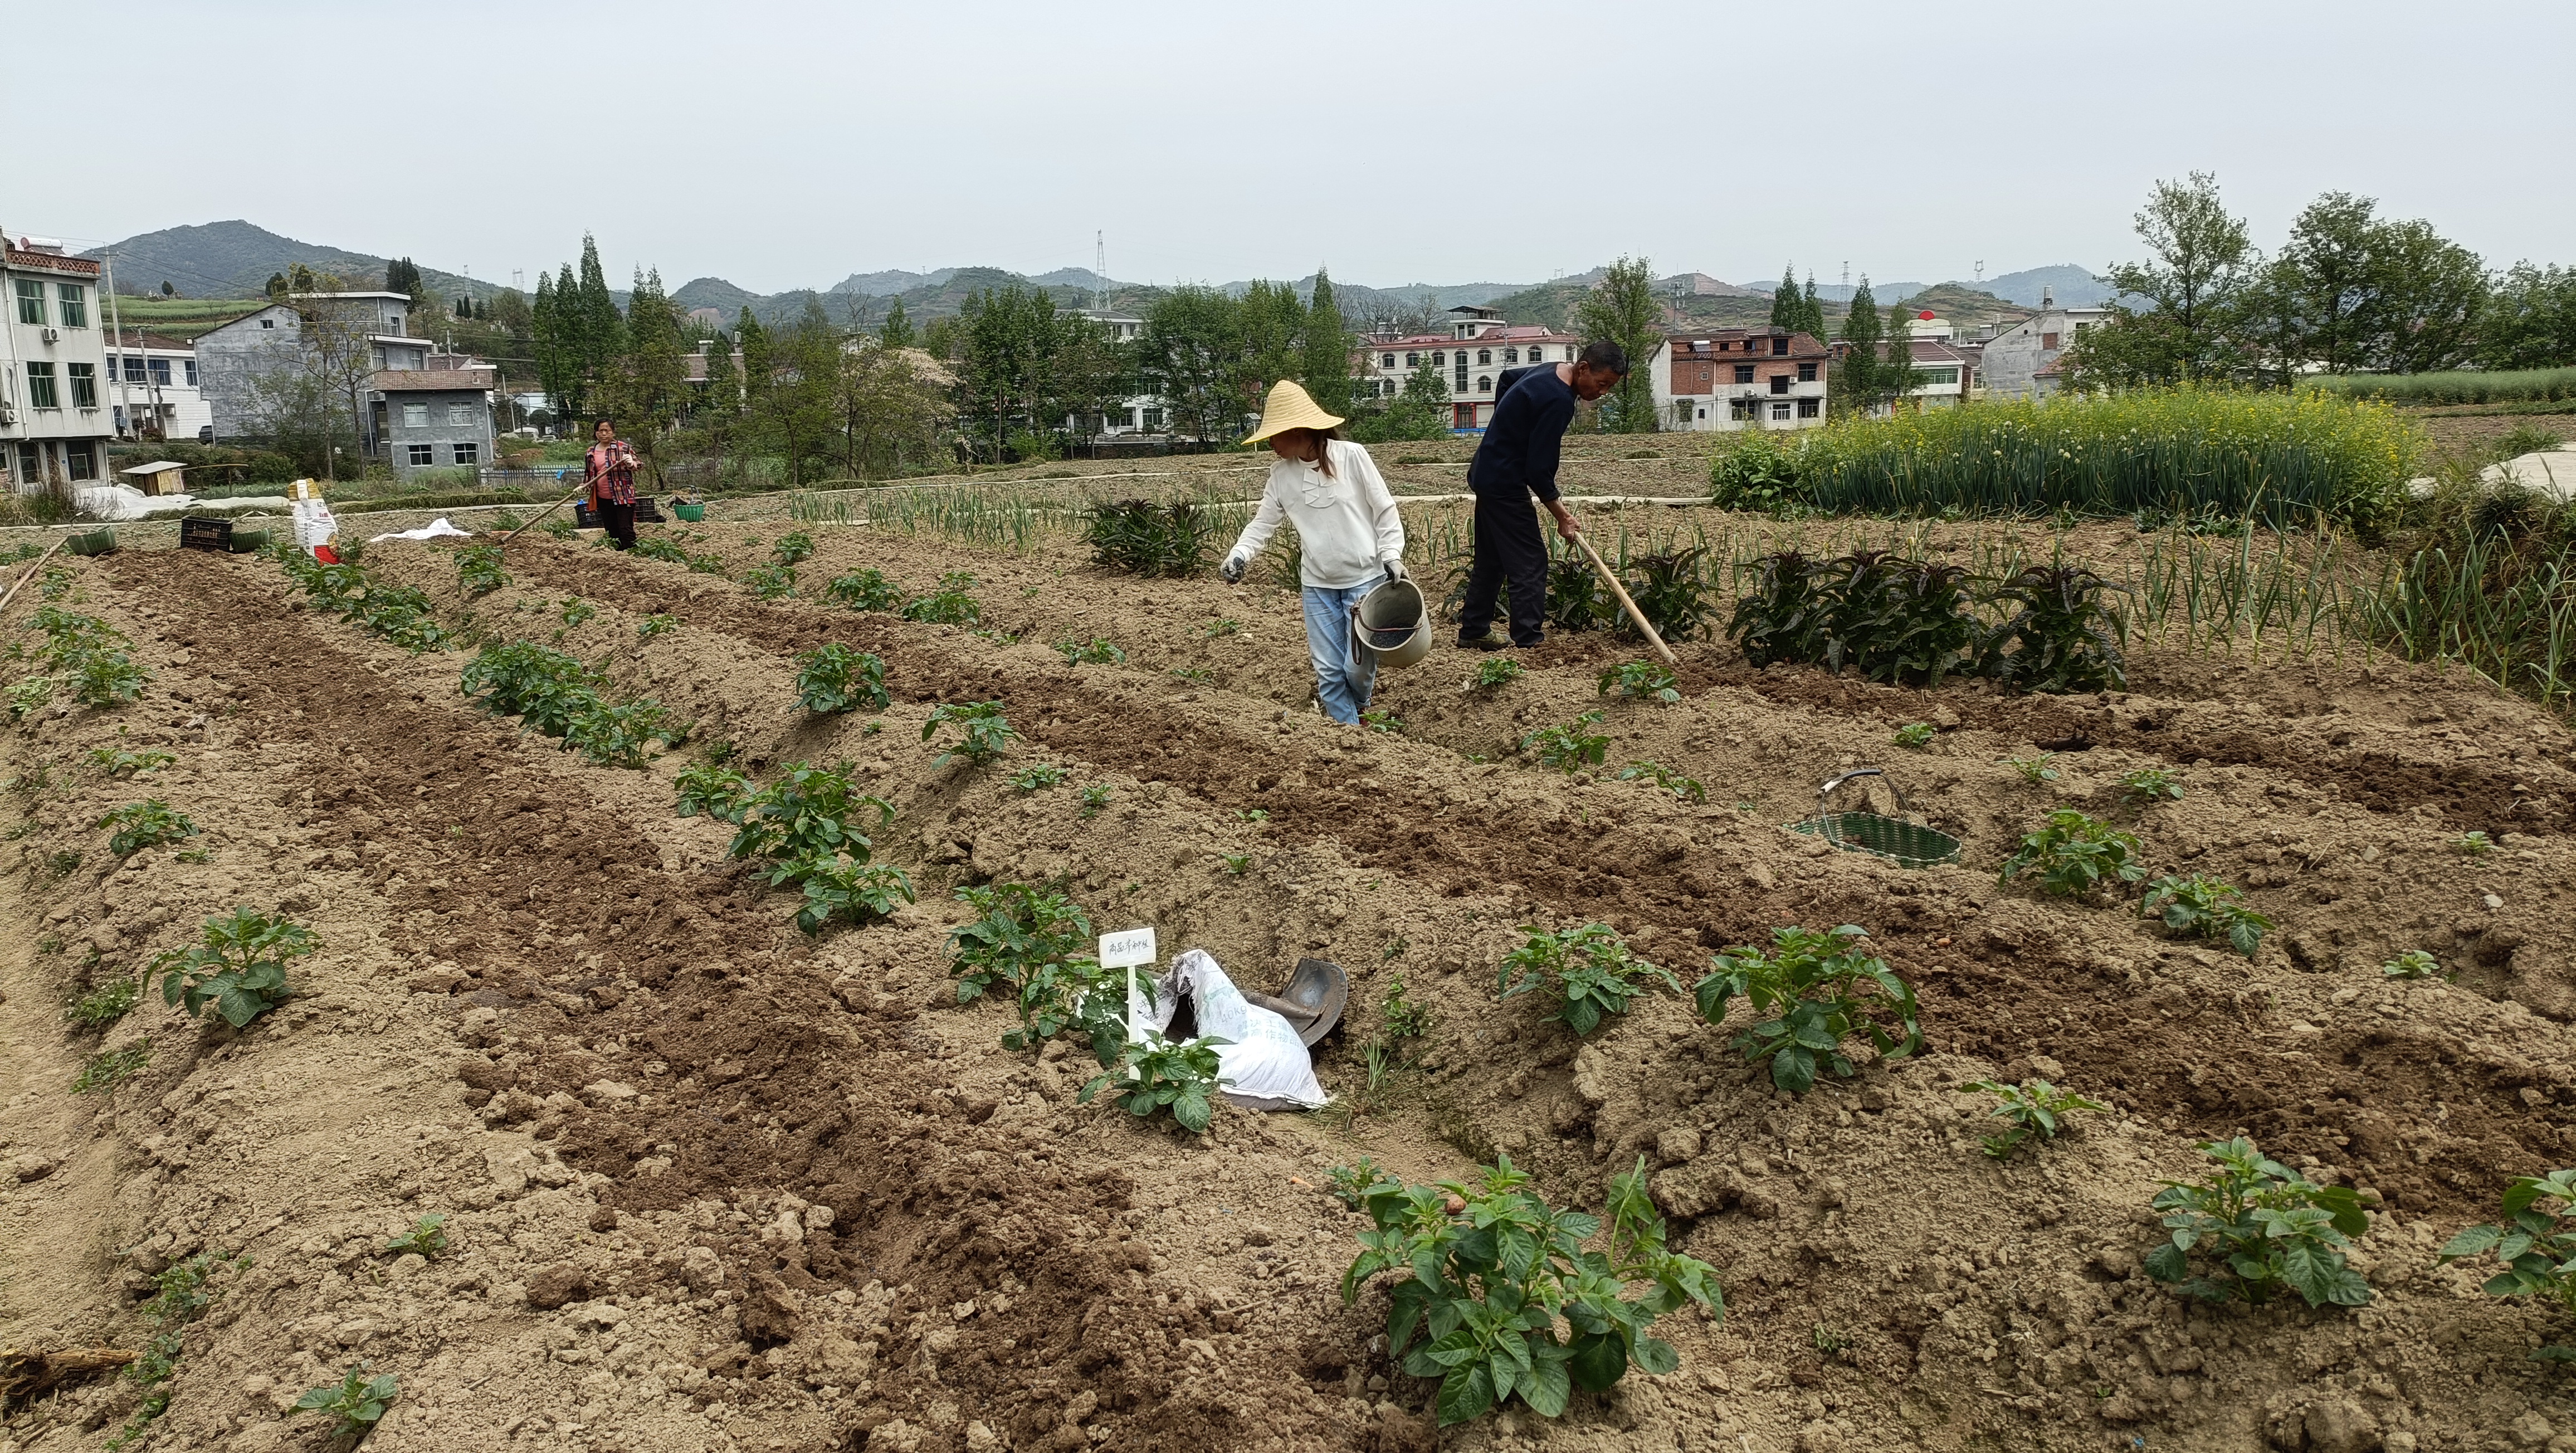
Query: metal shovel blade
[[1312, 1002]]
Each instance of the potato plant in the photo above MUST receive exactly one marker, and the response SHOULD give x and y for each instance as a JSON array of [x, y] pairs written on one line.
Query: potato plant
[[835, 678], [2031, 1108], [1811, 992], [792, 548], [118, 762], [804, 824], [1593, 973], [2255, 1226], [2035, 770], [983, 733], [1494, 671], [656, 624], [866, 590], [949, 605], [2415, 963], [356, 1402], [1688, 789], [1034, 944], [2151, 785], [1035, 779], [238, 965], [715, 789], [2075, 854], [427, 1236], [1914, 736], [1157, 1074], [145, 824], [2534, 1247], [1098, 651], [2203, 907], [1644, 680], [838, 888], [478, 570], [1571, 747], [771, 582], [1501, 1300]]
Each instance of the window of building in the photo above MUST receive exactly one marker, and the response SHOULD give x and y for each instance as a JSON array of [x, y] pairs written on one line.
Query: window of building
[[2048, 340], [376, 356], [465, 453], [1780, 410], [421, 454], [190, 365], [1779, 383], [1484, 383], [1744, 373], [1413, 360], [31, 301], [40, 387], [1386, 360], [160, 368], [75, 304], [1808, 408], [268, 322], [1780, 346], [80, 460], [84, 377], [1440, 360], [1940, 375], [1806, 373], [1484, 357], [133, 368], [31, 465], [415, 416], [1740, 409], [460, 413], [1153, 418]]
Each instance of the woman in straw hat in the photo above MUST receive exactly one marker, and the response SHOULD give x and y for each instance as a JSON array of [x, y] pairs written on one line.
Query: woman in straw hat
[[1349, 537]]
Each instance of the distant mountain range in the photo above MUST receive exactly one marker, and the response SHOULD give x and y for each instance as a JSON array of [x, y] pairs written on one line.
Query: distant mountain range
[[235, 259]]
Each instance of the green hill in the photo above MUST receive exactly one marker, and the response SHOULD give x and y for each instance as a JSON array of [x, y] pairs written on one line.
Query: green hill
[[1965, 305], [235, 259]]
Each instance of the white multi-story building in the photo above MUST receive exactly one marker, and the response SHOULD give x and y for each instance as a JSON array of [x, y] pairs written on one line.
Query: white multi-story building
[[1475, 351], [1731, 379], [55, 424], [2022, 359], [156, 394]]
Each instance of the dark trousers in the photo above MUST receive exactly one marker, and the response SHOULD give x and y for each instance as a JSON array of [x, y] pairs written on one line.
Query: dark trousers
[[1509, 547], [619, 520]]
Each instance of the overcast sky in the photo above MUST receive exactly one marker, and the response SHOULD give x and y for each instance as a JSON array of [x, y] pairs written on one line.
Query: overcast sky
[[781, 145]]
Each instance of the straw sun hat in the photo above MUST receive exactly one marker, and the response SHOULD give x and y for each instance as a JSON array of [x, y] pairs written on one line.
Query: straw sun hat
[[1289, 407]]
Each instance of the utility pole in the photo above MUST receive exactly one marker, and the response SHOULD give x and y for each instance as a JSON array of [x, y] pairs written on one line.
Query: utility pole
[[1981, 269], [116, 329], [1100, 270]]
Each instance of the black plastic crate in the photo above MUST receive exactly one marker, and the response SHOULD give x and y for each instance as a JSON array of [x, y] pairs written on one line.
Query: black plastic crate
[[199, 533]]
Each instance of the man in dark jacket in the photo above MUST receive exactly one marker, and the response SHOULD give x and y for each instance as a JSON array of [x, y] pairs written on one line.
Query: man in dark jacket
[[1516, 462]]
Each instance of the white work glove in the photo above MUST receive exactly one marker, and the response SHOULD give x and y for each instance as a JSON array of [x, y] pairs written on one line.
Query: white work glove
[[1394, 569], [1231, 572]]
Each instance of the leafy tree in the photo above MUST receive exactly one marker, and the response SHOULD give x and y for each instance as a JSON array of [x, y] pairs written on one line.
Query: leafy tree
[[1811, 310], [2195, 286], [1856, 385], [277, 285], [646, 390], [1786, 308], [1329, 344], [892, 406], [896, 331], [1896, 374], [2530, 319], [2431, 292], [1421, 411], [1622, 309], [1187, 354], [1270, 327]]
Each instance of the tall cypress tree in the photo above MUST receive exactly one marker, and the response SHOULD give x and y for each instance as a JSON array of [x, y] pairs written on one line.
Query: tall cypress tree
[[1327, 372], [1785, 306], [896, 332], [1811, 311], [1860, 371], [603, 332]]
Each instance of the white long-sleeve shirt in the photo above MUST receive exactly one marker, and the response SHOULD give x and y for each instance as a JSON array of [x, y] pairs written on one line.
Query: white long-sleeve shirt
[[1346, 522]]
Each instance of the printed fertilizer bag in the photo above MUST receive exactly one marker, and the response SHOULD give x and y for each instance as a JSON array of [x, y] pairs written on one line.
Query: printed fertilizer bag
[[1266, 1064]]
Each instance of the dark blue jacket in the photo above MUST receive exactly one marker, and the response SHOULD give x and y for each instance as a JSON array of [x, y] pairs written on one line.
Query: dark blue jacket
[[1520, 445]]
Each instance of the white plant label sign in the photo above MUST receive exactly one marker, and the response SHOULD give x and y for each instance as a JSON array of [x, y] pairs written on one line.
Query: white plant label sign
[[1130, 949]]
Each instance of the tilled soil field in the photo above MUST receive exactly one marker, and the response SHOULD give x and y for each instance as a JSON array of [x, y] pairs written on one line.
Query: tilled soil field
[[715, 1183]]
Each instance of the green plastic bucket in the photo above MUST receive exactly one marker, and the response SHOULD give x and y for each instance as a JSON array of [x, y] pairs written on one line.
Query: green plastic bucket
[[691, 513], [1899, 839], [93, 542]]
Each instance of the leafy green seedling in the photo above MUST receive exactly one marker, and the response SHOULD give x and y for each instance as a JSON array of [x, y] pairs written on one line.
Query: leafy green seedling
[[2413, 964], [2203, 907], [1038, 778], [1492, 1270], [1158, 1074], [2151, 784], [2255, 1226], [145, 824], [105, 1005], [1382, 720], [2535, 1247], [238, 965], [2473, 843], [1494, 671], [792, 548], [1349, 1184], [1595, 975], [1034, 944], [839, 888], [2031, 1108], [864, 590], [356, 1402], [1098, 651], [714, 789], [578, 612], [1688, 789], [983, 733], [478, 570], [832, 678], [2042, 768], [1645, 680], [2075, 854], [1195, 675], [1810, 993], [949, 605], [1571, 747], [1094, 799], [1399, 1017], [771, 582], [1916, 735], [1221, 626], [1255, 815], [657, 624], [808, 814], [118, 762], [1237, 863], [427, 1236], [109, 1068]]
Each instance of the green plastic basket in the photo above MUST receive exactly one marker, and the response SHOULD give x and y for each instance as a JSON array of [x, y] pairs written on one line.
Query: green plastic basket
[[689, 512], [1899, 839]]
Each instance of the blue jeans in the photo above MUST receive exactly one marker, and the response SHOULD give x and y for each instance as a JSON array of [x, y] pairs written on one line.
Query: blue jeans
[[1342, 676]]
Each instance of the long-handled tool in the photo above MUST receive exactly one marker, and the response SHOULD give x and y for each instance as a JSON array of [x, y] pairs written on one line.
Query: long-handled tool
[[1620, 591], [30, 572], [541, 514]]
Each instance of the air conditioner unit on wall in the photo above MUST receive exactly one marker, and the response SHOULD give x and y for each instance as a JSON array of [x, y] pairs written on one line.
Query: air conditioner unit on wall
[[53, 335]]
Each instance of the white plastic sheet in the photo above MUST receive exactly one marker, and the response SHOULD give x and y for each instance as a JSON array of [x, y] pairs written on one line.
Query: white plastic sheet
[[1267, 1065], [435, 529]]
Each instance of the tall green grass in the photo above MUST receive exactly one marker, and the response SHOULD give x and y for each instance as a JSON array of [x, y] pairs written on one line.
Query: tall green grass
[[2527, 385], [2285, 458]]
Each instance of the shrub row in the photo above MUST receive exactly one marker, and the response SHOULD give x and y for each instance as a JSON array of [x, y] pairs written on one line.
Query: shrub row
[[2525, 385], [557, 695], [1910, 622]]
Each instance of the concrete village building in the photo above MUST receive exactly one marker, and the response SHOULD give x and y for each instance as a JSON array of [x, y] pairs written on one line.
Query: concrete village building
[[1730, 379], [1477, 348], [55, 419]]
